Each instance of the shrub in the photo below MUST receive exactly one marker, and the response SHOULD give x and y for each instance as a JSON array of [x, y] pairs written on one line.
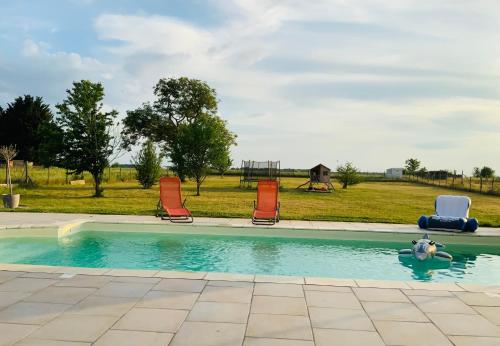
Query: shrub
[[147, 163], [348, 175]]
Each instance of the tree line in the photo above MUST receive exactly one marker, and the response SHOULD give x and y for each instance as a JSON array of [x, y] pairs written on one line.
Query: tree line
[[182, 122]]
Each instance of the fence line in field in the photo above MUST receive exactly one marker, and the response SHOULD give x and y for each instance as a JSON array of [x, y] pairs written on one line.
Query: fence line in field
[[460, 182]]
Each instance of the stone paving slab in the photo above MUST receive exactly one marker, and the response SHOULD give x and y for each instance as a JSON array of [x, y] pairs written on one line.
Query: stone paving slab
[[68, 309]]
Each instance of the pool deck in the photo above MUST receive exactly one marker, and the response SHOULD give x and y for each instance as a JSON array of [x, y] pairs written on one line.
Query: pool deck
[[50, 305]]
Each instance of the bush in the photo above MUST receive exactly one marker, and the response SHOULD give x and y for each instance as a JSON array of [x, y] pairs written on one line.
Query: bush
[[147, 164], [348, 175]]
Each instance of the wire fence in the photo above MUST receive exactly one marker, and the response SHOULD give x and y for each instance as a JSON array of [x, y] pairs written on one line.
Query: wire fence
[[460, 182]]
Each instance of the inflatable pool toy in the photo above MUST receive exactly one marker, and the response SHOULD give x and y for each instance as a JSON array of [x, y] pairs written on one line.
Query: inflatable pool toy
[[425, 249]]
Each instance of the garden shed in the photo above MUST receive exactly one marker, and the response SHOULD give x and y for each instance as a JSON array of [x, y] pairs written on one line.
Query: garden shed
[[319, 174]]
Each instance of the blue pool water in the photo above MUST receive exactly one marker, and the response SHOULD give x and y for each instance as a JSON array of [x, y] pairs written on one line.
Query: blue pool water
[[262, 255]]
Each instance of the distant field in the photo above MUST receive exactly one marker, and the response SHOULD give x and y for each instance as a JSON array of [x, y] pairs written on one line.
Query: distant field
[[393, 202]]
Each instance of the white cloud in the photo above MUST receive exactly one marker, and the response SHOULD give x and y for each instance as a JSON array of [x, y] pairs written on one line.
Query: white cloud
[[369, 81]]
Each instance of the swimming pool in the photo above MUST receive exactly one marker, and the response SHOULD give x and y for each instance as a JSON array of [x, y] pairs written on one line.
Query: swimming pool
[[276, 255]]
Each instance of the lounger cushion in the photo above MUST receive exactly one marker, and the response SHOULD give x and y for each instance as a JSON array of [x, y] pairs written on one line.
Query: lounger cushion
[[453, 206], [446, 223]]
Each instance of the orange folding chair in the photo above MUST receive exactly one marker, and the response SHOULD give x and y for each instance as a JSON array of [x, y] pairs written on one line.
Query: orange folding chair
[[267, 208], [171, 203]]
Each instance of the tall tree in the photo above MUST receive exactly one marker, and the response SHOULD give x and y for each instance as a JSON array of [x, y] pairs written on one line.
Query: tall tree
[[87, 138], [21, 124], [202, 144], [51, 146], [179, 101], [412, 166]]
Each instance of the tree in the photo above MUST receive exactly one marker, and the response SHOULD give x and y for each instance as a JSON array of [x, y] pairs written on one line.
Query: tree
[[21, 123], [87, 139], [223, 164], [412, 166], [179, 101], [483, 173], [348, 175], [202, 144], [8, 153], [148, 165]]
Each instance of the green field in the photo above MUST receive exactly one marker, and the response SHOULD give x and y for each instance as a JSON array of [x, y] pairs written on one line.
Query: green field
[[221, 197]]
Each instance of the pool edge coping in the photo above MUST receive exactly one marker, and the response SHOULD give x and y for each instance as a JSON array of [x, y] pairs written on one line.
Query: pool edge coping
[[493, 289]]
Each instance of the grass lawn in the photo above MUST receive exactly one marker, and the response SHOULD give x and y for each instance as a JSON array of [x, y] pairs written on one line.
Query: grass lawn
[[366, 202]]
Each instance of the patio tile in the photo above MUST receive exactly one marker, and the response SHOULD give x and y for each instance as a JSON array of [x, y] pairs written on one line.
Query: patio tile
[[340, 319], [209, 334], [386, 311], [182, 285], [145, 273], [482, 299], [280, 279], [133, 338], [91, 281], [125, 290], [219, 312], [447, 305], [9, 298], [6, 275], [168, 300], [135, 279], [480, 288], [275, 342], [45, 342], [458, 324], [229, 277], [97, 305], [327, 288], [428, 293], [332, 300], [11, 333], [69, 327], [180, 275], [382, 284], [279, 326], [82, 270], [40, 275], [330, 282], [380, 295], [226, 294], [279, 305], [278, 290], [328, 337], [61, 295], [492, 313], [25, 285], [475, 341], [435, 286], [230, 283], [411, 334], [152, 320], [31, 313]]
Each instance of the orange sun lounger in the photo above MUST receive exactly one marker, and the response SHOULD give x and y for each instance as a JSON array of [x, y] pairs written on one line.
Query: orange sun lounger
[[171, 203], [267, 208]]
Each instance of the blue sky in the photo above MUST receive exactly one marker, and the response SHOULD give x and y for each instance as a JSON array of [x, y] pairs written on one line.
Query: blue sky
[[369, 81]]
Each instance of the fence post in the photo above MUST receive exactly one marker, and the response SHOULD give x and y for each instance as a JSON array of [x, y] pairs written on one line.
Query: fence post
[[470, 183], [462, 178], [453, 179], [493, 184]]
